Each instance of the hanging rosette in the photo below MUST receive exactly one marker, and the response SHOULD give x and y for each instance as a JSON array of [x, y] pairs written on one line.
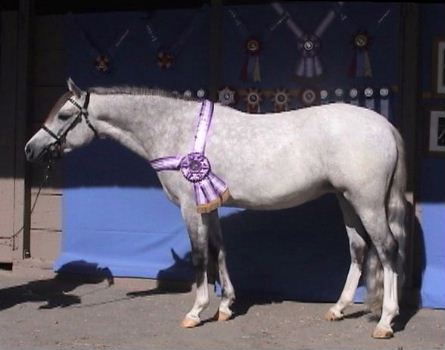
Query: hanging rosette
[[201, 94], [309, 65], [308, 45], [187, 94], [280, 99], [102, 59], [353, 97], [102, 63], [227, 96], [309, 97], [324, 97], [166, 55], [164, 59], [369, 98], [361, 63], [361, 42], [339, 94], [251, 70], [253, 100], [384, 101]]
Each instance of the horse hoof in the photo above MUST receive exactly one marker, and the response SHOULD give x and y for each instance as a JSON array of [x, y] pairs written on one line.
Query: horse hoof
[[332, 316], [382, 333], [188, 322], [221, 316]]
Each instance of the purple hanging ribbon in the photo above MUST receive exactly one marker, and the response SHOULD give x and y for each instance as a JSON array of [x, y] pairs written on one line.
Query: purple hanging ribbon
[[210, 190]]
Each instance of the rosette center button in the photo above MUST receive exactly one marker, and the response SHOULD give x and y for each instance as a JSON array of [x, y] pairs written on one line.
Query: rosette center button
[[195, 167]]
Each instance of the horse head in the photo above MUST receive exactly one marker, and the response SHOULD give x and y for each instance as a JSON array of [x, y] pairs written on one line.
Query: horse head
[[67, 127]]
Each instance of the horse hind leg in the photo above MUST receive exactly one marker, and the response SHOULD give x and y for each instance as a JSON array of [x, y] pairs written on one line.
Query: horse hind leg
[[375, 222], [217, 245], [358, 247]]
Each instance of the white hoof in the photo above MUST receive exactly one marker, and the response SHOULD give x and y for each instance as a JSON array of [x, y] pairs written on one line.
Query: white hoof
[[189, 322]]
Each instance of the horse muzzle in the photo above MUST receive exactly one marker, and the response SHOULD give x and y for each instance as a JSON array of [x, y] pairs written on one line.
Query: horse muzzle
[[52, 151]]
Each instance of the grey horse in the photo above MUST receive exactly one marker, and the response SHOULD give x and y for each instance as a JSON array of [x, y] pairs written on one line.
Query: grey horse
[[268, 161]]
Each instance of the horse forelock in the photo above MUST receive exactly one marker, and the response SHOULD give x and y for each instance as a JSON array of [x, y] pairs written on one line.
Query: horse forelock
[[58, 105]]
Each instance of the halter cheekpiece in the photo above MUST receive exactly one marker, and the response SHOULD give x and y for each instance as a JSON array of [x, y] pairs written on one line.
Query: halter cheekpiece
[[210, 190]]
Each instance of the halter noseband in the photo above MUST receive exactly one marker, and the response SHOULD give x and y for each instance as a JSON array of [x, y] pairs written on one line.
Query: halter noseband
[[60, 139]]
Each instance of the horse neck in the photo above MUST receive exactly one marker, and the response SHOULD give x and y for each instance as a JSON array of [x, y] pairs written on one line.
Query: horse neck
[[151, 126]]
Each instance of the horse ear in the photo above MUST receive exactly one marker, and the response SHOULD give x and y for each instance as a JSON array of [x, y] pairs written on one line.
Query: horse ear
[[73, 87]]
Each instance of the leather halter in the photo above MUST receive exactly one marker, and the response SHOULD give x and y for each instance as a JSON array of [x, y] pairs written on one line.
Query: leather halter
[[60, 137]]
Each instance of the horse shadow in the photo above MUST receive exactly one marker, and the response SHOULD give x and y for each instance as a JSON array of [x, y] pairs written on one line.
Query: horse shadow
[[167, 281], [54, 292]]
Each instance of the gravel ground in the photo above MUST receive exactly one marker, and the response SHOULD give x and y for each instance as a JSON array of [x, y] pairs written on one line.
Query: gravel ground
[[38, 310]]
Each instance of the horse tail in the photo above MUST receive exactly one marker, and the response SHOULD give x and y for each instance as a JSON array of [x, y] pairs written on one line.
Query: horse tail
[[396, 207]]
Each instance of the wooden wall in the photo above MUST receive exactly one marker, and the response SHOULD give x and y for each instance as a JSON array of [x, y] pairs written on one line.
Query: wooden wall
[[8, 59], [47, 83]]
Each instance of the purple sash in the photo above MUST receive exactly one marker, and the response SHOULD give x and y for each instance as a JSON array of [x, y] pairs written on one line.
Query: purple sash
[[210, 190]]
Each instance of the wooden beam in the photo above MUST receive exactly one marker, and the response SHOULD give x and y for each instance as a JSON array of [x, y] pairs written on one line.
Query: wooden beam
[[215, 48], [22, 192]]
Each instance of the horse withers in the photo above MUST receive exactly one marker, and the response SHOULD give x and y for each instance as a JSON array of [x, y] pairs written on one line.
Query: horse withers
[[266, 162]]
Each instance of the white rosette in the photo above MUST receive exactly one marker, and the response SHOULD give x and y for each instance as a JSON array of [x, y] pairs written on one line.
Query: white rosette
[[369, 98], [200, 94], [384, 101], [324, 97], [353, 97], [227, 96], [339, 94]]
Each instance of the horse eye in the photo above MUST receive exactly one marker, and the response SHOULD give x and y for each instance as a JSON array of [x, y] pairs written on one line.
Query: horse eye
[[64, 116]]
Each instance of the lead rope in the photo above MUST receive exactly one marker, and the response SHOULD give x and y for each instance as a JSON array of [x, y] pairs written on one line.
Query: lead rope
[[45, 179]]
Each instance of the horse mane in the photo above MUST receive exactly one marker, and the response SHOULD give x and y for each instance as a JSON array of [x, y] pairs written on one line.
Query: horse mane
[[136, 90]]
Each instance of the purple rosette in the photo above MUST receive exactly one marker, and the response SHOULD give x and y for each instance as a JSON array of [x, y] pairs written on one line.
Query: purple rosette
[[195, 167]]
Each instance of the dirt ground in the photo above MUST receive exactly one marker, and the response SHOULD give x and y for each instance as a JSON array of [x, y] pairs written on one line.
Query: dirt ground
[[41, 310]]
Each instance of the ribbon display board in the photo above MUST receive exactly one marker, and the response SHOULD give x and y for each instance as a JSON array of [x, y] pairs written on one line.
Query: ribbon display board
[[116, 216]]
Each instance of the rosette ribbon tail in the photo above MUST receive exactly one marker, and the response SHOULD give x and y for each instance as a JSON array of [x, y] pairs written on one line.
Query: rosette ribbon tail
[[367, 70], [210, 193], [256, 69]]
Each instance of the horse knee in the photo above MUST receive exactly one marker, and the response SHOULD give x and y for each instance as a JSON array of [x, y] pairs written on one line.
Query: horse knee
[[358, 249]]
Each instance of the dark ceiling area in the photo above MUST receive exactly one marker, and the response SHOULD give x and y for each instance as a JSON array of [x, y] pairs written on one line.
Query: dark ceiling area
[[47, 7]]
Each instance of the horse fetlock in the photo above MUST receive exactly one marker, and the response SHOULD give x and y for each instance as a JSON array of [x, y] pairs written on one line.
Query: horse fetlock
[[223, 314], [229, 295], [392, 311]]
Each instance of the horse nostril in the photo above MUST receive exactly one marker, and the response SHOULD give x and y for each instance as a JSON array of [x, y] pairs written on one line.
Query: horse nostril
[[28, 152]]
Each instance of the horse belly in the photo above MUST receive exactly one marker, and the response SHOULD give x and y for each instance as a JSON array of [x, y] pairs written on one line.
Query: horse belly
[[266, 190]]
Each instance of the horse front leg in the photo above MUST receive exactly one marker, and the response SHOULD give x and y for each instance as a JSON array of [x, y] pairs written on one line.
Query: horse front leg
[[217, 245], [358, 248], [198, 229]]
